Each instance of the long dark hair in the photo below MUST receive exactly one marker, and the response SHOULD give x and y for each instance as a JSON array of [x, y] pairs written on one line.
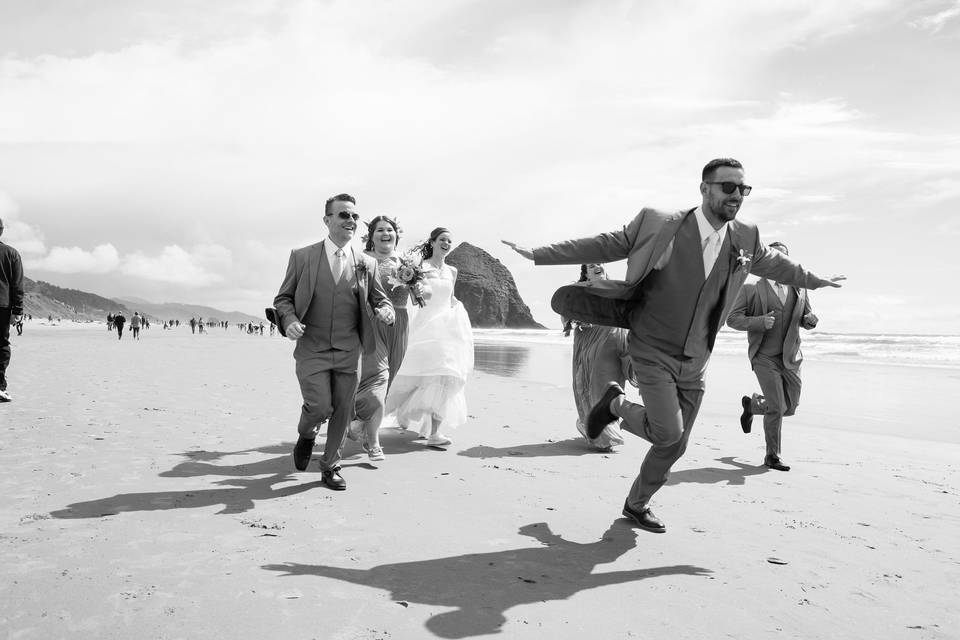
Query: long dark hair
[[372, 226], [426, 249]]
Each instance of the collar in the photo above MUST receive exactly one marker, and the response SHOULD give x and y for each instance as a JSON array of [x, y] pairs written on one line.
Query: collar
[[706, 229], [331, 247]]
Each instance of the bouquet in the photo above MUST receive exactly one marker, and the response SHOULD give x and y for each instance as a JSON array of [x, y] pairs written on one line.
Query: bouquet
[[408, 273]]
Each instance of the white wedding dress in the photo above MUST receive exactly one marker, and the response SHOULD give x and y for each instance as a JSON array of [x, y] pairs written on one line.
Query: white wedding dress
[[439, 358]]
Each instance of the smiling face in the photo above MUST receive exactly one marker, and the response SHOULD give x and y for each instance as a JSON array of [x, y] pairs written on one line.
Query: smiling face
[[384, 238], [341, 229], [596, 272], [720, 207], [442, 244]]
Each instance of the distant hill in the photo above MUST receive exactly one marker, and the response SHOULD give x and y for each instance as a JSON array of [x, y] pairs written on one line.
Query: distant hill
[[42, 299], [177, 310]]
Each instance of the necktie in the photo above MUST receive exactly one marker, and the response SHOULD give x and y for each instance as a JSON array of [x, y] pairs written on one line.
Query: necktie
[[711, 248], [338, 265], [781, 292]]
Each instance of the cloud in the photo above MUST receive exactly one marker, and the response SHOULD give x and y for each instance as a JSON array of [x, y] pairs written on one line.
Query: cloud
[[935, 22], [102, 259], [176, 265], [17, 233]]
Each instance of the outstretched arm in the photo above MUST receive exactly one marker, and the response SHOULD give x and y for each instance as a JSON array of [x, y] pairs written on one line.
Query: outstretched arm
[[605, 247], [774, 265]]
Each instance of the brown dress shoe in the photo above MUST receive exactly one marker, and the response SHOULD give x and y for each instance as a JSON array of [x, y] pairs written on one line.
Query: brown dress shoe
[[333, 479], [645, 519], [773, 462], [600, 415], [302, 452]]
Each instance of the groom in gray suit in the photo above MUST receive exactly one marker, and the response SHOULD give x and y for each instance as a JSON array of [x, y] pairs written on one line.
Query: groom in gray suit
[[328, 302], [684, 270]]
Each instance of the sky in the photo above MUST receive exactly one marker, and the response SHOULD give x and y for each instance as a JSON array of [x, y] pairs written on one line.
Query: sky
[[177, 151]]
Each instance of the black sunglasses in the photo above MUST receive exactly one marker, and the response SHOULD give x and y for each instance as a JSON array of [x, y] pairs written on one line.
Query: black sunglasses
[[346, 215], [730, 187]]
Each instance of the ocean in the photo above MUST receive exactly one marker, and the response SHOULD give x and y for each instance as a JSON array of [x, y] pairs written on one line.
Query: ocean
[[508, 352]]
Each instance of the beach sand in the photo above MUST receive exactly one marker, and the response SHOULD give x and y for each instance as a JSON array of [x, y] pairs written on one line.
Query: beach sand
[[148, 491]]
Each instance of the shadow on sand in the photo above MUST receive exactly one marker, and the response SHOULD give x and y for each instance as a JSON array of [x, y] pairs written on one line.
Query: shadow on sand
[[711, 475], [483, 586], [238, 494], [569, 447]]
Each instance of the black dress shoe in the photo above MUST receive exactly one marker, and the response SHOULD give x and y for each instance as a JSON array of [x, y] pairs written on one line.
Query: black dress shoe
[[645, 519], [773, 462], [746, 418], [333, 479], [302, 452], [600, 415]]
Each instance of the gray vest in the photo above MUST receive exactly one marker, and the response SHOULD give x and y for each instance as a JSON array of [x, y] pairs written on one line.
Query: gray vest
[[333, 317], [772, 342], [678, 310]]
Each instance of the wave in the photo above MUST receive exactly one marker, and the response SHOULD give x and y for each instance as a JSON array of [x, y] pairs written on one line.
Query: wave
[[893, 349]]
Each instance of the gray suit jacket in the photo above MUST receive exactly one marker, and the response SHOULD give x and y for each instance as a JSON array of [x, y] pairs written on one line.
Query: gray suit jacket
[[299, 283], [647, 242], [11, 280], [754, 302]]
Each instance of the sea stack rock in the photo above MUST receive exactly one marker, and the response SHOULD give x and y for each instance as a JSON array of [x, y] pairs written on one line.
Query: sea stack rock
[[487, 290]]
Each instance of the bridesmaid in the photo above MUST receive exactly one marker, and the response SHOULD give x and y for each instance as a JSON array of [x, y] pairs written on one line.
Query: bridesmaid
[[599, 356], [378, 369]]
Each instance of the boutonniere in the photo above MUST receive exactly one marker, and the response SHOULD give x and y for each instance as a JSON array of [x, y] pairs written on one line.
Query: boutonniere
[[744, 258], [361, 270]]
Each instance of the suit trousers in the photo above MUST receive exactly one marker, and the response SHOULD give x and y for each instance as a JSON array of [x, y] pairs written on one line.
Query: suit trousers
[[5, 315], [781, 395], [328, 383], [671, 389]]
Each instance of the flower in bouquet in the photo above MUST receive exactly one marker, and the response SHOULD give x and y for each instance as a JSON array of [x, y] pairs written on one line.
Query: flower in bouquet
[[408, 274]]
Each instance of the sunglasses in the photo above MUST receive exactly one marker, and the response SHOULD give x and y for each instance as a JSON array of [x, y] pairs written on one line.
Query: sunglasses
[[730, 187], [346, 215]]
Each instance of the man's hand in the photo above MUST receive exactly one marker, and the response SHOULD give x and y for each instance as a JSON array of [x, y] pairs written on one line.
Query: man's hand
[[526, 253], [811, 319], [833, 280], [385, 315], [295, 330], [769, 320]]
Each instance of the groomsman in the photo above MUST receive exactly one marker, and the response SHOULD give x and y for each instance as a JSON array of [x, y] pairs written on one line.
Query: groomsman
[[684, 271], [327, 303], [772, 314]]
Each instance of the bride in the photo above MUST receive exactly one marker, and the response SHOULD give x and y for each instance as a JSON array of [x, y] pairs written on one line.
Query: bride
[[428, 391]]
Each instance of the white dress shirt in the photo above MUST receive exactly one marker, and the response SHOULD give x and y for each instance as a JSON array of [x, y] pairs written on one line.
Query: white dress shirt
[[710, 240], [339, 265]]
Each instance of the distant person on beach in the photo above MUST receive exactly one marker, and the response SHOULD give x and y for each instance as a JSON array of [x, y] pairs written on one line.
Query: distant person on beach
[[684, 271], [772, 314], [110, 325], [118, 321], [11, 305], [329, 302], [135, 322], [193, 325], [18, 323], [378, 369], [428, 391], [599, 356]]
